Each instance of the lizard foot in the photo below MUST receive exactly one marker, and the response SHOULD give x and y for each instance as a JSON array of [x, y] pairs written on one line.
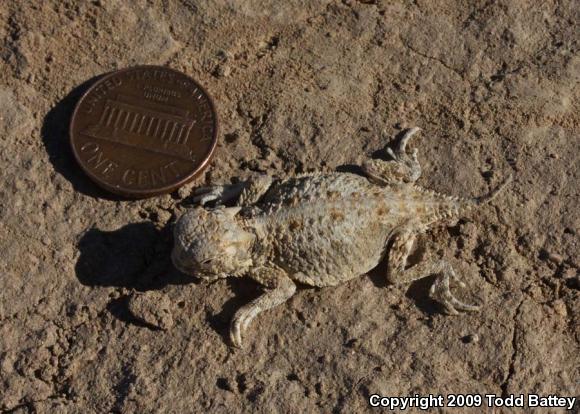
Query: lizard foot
[[399, 154], [219, 194], [281, 289], [441, 293], [239, 323], [400, 150]]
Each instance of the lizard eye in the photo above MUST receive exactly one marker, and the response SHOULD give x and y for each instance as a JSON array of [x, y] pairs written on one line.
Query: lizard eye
[[206, 261]]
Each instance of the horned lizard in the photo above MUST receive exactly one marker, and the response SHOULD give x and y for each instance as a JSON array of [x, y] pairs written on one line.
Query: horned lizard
[[319, 229]]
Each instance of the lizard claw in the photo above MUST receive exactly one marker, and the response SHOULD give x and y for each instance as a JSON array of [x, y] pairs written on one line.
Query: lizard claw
[[204, 195], [392, 154], [219, 194], [239, 324], [236, 335], [403, 143], [441, 293]]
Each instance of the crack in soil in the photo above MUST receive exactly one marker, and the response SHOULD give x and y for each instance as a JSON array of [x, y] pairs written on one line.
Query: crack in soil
[[504, 385], [440, 61]]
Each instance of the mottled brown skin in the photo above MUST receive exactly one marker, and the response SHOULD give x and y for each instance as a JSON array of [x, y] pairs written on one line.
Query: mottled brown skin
[[318, 229], [328, 239]]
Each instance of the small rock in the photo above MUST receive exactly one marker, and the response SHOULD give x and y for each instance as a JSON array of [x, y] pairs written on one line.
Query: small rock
[[569, 273], [556, 258], [222, 71], [152, 308], [560, 307], [224, 55], [536, 293], [185, 190], [163, 216]]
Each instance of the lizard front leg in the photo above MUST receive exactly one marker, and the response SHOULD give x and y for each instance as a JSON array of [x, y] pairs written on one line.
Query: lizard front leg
[[403, 168], [398, 274], [279, 288], [246, 192]]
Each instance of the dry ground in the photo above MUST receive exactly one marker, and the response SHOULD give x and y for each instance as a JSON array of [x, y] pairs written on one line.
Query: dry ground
[[300, 85]]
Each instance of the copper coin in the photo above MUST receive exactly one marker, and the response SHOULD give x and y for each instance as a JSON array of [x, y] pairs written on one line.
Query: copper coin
[[144, 131]]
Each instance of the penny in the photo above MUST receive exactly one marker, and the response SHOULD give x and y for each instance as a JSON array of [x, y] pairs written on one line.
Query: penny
[[144, 131]]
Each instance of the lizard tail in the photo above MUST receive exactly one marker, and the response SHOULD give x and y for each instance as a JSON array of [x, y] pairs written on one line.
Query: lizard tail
[[493, 193]]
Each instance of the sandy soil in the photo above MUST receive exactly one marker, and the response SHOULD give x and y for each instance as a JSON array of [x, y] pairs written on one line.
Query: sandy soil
[[300, 86]]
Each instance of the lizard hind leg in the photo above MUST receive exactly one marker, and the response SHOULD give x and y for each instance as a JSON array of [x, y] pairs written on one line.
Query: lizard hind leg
[[440, 290], [280, 289]]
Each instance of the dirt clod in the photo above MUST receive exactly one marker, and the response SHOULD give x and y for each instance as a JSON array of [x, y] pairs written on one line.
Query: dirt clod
[[152, 308]]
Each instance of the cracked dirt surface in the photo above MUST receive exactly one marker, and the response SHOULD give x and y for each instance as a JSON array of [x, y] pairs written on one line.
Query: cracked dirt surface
[[300, 86]]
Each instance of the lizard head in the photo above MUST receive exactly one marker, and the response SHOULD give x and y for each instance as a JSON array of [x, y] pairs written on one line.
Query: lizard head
[[211, 244]]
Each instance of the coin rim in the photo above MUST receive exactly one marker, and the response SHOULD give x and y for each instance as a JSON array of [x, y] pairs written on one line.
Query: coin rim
[[143, 193]]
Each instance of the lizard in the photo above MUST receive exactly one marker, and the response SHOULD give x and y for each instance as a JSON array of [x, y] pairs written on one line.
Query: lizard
[[319, 229]]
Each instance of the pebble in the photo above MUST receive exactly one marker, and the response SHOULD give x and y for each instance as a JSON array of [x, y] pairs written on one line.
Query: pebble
[[163, 216], [556, 258], [153, 308], [560, 307], [222, 71]]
